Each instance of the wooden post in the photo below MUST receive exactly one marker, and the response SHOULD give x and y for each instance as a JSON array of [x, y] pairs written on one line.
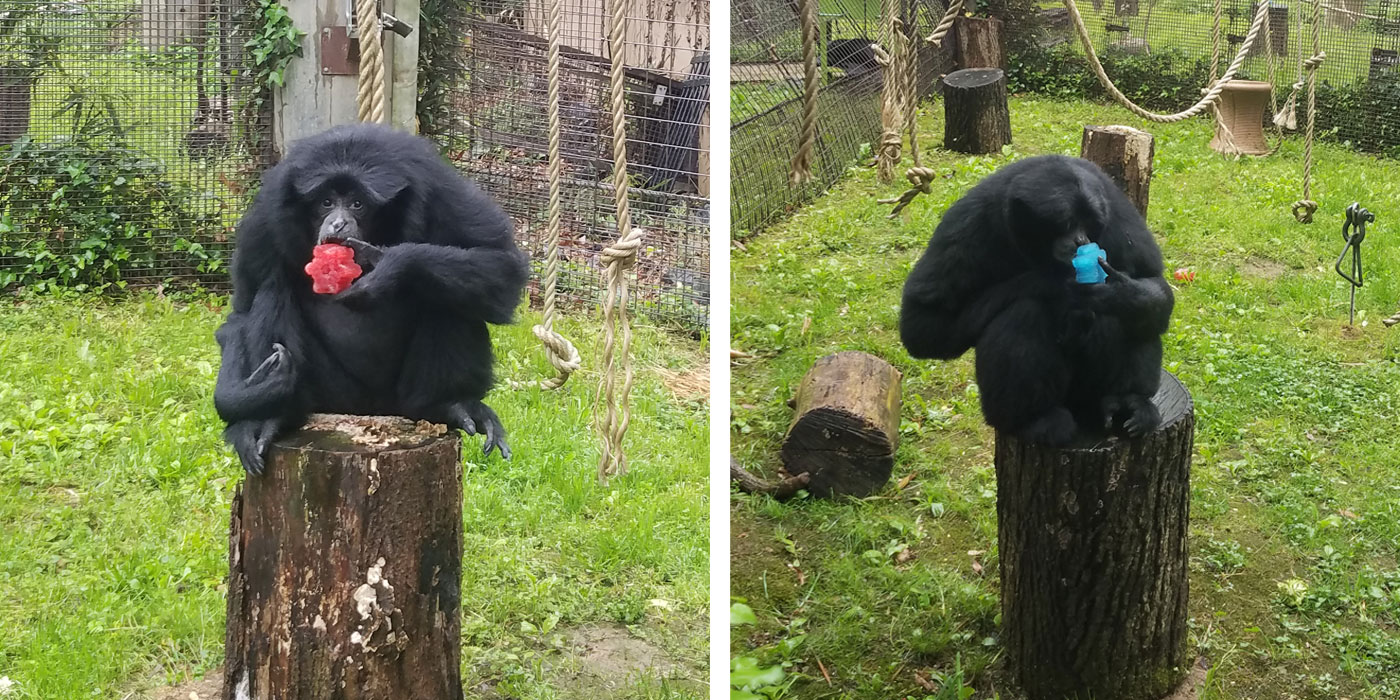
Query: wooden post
[[1125, 154], [978, 43], [846, 428], [345, 562], [1092, 545], [976, 117], [321, 85]]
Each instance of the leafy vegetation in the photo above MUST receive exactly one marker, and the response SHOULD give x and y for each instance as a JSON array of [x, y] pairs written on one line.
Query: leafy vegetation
[[1295, 590], [115, 489]]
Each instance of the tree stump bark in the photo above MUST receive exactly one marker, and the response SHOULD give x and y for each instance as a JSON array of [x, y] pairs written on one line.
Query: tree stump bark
[[846, 428], [976, 117], [345, 566], [1126, 155], [1092, 545], [978, 43]]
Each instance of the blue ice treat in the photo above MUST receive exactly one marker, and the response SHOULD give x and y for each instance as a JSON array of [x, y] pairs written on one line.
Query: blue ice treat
[[1086, 264]]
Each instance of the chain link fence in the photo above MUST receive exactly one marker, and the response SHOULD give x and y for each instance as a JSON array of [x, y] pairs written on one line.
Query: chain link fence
[[129, 138], [766, 91], [490, 112]]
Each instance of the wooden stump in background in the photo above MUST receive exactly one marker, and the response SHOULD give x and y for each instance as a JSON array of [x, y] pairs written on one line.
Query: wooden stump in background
[[976, 117], [977, 43], [345, 566], [1126, 155], [1092, 546], [846, 428]]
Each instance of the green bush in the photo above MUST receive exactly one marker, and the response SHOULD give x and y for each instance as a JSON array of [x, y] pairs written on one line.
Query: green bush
[[1361, 114], [91, 213], [1162, 80]]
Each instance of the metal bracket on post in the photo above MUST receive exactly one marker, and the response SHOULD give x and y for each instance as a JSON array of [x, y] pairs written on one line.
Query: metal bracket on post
[[340, 45]]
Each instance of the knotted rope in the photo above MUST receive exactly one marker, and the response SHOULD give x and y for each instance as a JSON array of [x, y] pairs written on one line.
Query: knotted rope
[[807, 140], [562, 354], [370, 97], [892, 94], [920, 177], [615, 395], [618, 258]]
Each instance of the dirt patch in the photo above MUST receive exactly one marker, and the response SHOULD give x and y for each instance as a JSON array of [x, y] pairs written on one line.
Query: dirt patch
[[210, 688], [1193, 684], [611, 652], [1263, 268]]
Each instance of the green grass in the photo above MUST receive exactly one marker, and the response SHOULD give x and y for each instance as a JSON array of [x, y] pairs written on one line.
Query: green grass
[[1295, 589], [115, 490]]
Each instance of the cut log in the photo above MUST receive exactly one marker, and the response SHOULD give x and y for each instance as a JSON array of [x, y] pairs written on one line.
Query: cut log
[[846, 428], [1125, 154], [977, 43], [345, 563], [976, 117], [1092, 546]]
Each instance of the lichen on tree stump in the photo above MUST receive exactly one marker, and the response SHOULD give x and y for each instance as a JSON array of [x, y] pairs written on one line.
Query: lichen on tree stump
[[345, 565], [1092, 550]]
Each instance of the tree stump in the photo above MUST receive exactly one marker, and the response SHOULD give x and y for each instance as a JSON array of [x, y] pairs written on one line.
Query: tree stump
[[1092, 545], [977, 43], [976, 117], [345, 565], [1126, 155], [846, 428]]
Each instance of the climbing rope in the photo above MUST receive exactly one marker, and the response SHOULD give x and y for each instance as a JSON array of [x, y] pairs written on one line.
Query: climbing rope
[[920, 177], [614, 394], [807, 141], [1206, 101], [618, 258], [371, 93], [1304, 208], [562, 354], [891, 94]]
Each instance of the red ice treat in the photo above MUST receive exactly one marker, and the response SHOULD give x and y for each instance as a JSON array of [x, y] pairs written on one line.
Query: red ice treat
[[332, 268], [1185, 274]]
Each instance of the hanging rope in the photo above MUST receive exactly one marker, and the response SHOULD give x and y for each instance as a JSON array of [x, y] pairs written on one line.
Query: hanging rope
[[1211, 95], [614, 393], [619, 259], [371, 93], [1304, 208], [562, 354], [891, 95], [807, 141], [920, 177]]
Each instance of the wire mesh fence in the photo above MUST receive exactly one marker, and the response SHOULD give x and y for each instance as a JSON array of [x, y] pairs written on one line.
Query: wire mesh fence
[[1168, 46], [129, 138], [496, 130], [766, 94]]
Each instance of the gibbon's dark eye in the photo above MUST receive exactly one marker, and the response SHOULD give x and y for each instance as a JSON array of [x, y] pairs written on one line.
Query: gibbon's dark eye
[[326, 203], [356, 204]]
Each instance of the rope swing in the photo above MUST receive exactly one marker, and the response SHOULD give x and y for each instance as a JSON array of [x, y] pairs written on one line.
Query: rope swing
[[1304, 208], [614, 392], [562, 354], [370, 97]]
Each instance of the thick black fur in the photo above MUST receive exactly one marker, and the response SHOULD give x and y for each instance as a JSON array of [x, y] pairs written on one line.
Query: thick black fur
[[1053, 356], [410, 336]]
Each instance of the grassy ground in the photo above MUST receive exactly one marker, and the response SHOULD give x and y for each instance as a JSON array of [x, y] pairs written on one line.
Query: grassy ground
[[115, 488], [1295, 590]]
